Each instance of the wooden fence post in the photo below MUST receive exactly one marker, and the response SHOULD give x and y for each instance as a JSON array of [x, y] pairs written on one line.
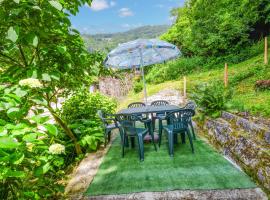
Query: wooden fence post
[[226, 75], [185, 87], [265, 51]]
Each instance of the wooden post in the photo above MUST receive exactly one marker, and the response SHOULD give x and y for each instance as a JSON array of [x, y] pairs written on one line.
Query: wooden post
[[265, 51], [185, 87], [226, 75]]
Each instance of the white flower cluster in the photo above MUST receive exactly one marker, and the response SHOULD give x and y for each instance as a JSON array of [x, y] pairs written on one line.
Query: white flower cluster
[[30, 82], [57, 149]]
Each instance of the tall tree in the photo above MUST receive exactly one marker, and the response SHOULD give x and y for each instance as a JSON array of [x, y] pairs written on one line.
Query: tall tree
[[37, 41]]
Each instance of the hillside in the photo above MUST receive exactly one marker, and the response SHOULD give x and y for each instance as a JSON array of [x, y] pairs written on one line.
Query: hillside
[[242, 78], [106, 42]]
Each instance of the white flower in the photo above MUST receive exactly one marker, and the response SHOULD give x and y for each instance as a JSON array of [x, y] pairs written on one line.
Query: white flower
[[30, 82], [57, 149]]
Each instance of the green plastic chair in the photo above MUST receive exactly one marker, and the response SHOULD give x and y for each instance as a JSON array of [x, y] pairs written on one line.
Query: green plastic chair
[[109, 123], [129, 130], [179, 123], [159, 115], [191, 105]]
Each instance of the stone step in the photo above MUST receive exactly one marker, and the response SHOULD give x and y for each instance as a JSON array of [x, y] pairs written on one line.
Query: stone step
[[259, 131]]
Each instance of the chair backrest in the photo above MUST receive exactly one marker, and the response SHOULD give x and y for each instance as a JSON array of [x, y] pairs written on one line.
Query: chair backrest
[[127, 122], [191, 105], [136, 105], [160, 103], [180, 118]]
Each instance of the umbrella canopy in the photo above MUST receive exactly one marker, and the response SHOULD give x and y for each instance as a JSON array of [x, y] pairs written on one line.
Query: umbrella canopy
[[140, 53]]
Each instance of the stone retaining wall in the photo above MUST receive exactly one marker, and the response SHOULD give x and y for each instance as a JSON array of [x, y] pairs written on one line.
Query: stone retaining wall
[[245, 142]]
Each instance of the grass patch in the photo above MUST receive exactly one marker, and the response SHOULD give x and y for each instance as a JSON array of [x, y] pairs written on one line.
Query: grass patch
[[206, 169]]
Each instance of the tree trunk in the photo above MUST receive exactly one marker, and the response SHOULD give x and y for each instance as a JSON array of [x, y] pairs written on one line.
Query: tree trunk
[[67, 130]]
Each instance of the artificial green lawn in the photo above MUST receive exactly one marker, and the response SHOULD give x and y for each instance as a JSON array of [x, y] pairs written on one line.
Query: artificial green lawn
[[206, 169]]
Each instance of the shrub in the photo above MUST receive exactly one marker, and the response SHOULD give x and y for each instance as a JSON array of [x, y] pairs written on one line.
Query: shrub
[[80, 112], [174, 69], [138, 87], [32, 151], [211, 98]]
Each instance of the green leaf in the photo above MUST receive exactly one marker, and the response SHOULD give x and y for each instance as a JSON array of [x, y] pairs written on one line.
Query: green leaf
[[8, 143], [62, 49], [46, 77], [35, 41], [56, 5], [46, 168], [55, 76], [19, 92], [12, 34], [30, 137], [16, 1], [51, 129], [13, 113], [17, 158], [36, 7]]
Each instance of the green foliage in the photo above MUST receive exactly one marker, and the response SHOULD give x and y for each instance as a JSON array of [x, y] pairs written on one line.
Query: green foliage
[[28, 166], [216, 28], [211, 98], [81, 112], [173, 69], [138, 85]]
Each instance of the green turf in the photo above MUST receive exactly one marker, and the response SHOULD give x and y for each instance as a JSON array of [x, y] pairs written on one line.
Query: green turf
[[206, 169]]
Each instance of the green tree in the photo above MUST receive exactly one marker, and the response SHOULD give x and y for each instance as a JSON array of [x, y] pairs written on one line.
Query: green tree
[[216, 28], [37, 41]]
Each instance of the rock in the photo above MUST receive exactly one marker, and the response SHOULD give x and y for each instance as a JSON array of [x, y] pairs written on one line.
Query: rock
[[267, 137], [260, 175]]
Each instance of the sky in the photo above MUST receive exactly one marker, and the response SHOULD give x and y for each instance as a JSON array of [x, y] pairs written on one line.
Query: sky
[[109, 16]]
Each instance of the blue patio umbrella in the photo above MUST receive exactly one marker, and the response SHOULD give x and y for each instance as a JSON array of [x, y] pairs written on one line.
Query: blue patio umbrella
[[140, 53]]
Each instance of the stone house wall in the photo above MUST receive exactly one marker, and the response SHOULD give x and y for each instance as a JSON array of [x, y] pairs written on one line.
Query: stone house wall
[[114, 87]]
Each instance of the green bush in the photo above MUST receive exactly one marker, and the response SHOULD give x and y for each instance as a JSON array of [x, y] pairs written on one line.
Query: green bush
[[138, 87], [174, 69], [32, 151], [211, 98], [80, 112]]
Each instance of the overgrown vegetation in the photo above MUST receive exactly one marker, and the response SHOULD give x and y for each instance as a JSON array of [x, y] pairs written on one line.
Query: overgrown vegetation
[[80, 112], [42, 60], [217, 28], [211, 98]]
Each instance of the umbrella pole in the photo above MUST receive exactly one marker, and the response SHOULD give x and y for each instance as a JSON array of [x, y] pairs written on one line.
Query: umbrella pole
[[144, 86]]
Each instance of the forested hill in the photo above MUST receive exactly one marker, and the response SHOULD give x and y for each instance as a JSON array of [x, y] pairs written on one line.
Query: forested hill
[[106, 42]]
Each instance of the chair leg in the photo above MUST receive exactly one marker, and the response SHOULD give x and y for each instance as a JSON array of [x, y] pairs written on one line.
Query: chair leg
[[193, 132], [126, 141], [123, 146], [105, 138], [132, 141], [141, 148], [183, 137], [109, 136], [160, 132], [170, 138], [190, 140], [175, 138]]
